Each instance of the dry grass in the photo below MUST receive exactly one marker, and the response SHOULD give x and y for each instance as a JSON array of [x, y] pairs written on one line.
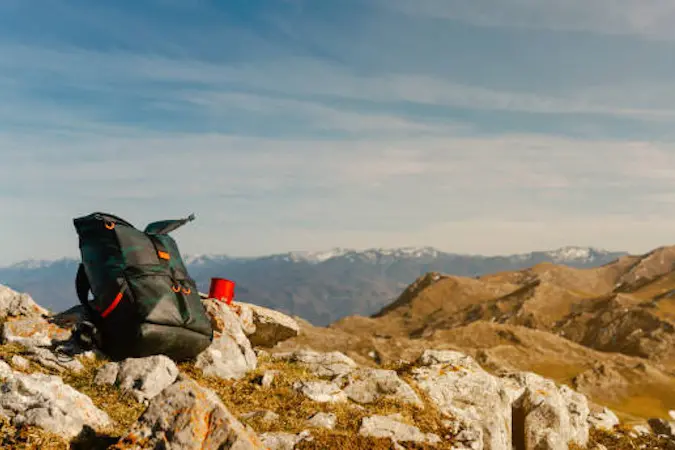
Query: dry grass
[[294, 409], [620, 439]]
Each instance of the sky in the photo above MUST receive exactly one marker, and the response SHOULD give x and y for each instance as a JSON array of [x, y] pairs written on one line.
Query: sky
[[483, 127]]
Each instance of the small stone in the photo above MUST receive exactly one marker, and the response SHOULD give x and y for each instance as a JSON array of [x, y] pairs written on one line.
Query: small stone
[[20, 362], [55, 361], [107, 374], [605, 419], [320, 391], [268, 378], [370, 385], [264, 415], [323, 420], [332, 364], [284, 441], [389, 427]]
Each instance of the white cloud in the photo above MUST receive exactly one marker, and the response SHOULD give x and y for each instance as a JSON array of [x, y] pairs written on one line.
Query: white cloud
[[646, 18]]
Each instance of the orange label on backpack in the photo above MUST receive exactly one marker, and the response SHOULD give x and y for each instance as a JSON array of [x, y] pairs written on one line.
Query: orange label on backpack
[[164, 255]]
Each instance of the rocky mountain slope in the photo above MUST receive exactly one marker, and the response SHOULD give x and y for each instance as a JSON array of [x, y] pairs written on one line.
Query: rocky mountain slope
[[608, 331], [319, 287], [247, 392]]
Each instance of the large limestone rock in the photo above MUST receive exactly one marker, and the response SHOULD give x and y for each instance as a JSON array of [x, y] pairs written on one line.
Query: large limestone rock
[[463, 390], [186, 416], [266, 327], [370, 385], [230, 356], [331, 365], [547, 417], [144, 378], [46, 402], [391, 427], [15, 304]]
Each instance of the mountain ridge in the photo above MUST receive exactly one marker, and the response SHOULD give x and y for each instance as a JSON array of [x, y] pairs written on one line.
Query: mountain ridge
[[321, 287]]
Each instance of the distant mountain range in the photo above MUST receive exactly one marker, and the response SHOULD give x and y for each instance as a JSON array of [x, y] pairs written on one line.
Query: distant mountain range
[[320, 287]]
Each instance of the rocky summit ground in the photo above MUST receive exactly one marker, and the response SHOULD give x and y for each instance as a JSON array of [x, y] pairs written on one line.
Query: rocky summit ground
[[455, 363]]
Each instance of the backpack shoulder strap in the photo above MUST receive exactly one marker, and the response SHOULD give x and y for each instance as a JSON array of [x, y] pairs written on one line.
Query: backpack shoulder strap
[[83, 287]]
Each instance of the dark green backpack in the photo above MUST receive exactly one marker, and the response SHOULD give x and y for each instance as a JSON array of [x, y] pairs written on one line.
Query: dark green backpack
[[144, 301]]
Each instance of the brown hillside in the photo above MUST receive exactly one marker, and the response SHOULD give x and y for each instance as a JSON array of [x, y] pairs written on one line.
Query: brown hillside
[[607, 331]]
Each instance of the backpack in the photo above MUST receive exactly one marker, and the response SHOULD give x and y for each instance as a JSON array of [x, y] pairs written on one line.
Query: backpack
[[144, 301]]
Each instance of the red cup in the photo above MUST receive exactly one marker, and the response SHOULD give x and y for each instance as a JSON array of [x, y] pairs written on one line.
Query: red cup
[[222, 289]]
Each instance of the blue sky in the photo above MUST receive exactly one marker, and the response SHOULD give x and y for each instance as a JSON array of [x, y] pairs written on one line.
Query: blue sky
[[478, 127]]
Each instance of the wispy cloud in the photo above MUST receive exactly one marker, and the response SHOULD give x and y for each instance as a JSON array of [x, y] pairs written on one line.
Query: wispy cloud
[[646, 18], [283, 131]]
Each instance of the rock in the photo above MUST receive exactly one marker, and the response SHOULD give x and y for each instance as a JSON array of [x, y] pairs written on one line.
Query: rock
[[230, 356], [604, 420], [332, 364], [20, 362], [323, 420], [371, 385], [671, 413], [59, 362], [457, 359], [14, 304], [390, 427], [663, 427], [639, 430], [33, 331], [267, 327], [264, 415], [545, 415], [107, 374], [45, 401], [146, 377], [320, 391], [462, 389], [268, 378], [284, 441], [185, 416]]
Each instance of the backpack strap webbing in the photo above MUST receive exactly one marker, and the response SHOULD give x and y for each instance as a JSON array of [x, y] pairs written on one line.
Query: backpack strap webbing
[[83, 287]]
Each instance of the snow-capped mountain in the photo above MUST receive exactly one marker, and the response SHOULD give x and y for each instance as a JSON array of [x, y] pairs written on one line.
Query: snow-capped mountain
[[319, 286]]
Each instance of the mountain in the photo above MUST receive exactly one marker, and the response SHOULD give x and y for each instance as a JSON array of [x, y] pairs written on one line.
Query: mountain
[[320, 287], [606, 331]]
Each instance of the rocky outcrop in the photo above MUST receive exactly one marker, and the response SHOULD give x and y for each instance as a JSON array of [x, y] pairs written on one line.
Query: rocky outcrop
[[14, 304], [45, 401], [547, 416], [265, 327], [186, 416], [460, 405], [461, 389], [230, 356]]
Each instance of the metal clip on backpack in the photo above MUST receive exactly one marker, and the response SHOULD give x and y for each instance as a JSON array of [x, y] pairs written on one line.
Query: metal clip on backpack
[[144, 301]]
